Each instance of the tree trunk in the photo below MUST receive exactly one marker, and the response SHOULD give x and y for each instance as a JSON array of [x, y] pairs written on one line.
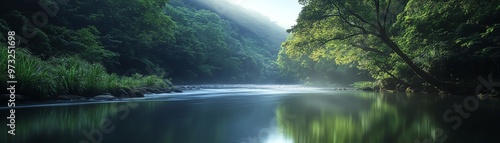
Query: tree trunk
[[440, 85]]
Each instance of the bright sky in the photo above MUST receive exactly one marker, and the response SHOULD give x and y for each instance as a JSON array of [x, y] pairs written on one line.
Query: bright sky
[[283, 12]]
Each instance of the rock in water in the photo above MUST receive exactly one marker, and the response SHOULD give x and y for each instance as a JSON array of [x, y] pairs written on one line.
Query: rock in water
[[104, 97]]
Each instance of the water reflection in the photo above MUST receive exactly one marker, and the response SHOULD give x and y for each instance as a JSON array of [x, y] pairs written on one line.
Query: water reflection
[[257, 117], [61, 123], [213, 120], [353, 118]]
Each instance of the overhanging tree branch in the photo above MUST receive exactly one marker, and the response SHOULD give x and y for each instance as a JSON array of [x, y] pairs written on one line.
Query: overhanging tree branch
[[343, 18], [377, 11], [340, 38], [366, 25], [387, 12], [355, 15], [377, 7]]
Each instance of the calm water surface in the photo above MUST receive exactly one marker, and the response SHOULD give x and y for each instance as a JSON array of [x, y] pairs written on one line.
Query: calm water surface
[[265, 115]]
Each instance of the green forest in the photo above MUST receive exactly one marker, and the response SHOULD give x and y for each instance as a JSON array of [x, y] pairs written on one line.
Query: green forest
[[88, 48], [91, 47], [420, 46]]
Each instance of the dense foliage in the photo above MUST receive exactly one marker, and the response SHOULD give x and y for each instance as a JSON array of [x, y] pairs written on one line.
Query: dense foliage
[[174, 38], [210, 48], [404, 45], [181, 40]]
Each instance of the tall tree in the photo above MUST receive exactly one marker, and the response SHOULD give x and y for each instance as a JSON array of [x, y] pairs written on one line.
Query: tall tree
[[353, 23]]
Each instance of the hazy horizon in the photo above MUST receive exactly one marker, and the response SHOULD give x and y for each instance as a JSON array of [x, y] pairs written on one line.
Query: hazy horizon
[[282, 12]]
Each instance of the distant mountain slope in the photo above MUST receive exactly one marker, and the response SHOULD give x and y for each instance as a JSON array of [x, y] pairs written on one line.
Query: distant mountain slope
[[249, 19], [251, 37]]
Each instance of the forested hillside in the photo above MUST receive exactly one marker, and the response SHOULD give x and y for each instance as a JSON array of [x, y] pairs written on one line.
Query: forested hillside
[[64, 42], [185, 40], [219, 48]]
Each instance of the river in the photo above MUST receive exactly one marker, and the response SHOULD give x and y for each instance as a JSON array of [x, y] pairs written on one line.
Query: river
[[267, 114]]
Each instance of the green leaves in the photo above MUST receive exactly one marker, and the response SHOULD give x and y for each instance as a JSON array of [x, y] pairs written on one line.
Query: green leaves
[[93, 51], [397, 42]]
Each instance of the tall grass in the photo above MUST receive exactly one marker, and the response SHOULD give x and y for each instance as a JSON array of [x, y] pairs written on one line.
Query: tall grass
[[68, 75], [138, 80], [32, 75], [113, 82], [76, 76]]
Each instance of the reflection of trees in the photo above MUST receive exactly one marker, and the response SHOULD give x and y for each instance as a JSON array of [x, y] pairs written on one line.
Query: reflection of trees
[[70, 120], [306, 121]]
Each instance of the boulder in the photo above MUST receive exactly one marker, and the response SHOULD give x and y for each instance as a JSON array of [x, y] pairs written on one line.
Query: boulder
[[157, 90], [146, 90], [120, 93], [166, 90], [104, 97], [136, 93]]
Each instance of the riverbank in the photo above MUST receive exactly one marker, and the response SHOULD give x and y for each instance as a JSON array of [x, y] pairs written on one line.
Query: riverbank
[[114, 95], [71, 78]]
